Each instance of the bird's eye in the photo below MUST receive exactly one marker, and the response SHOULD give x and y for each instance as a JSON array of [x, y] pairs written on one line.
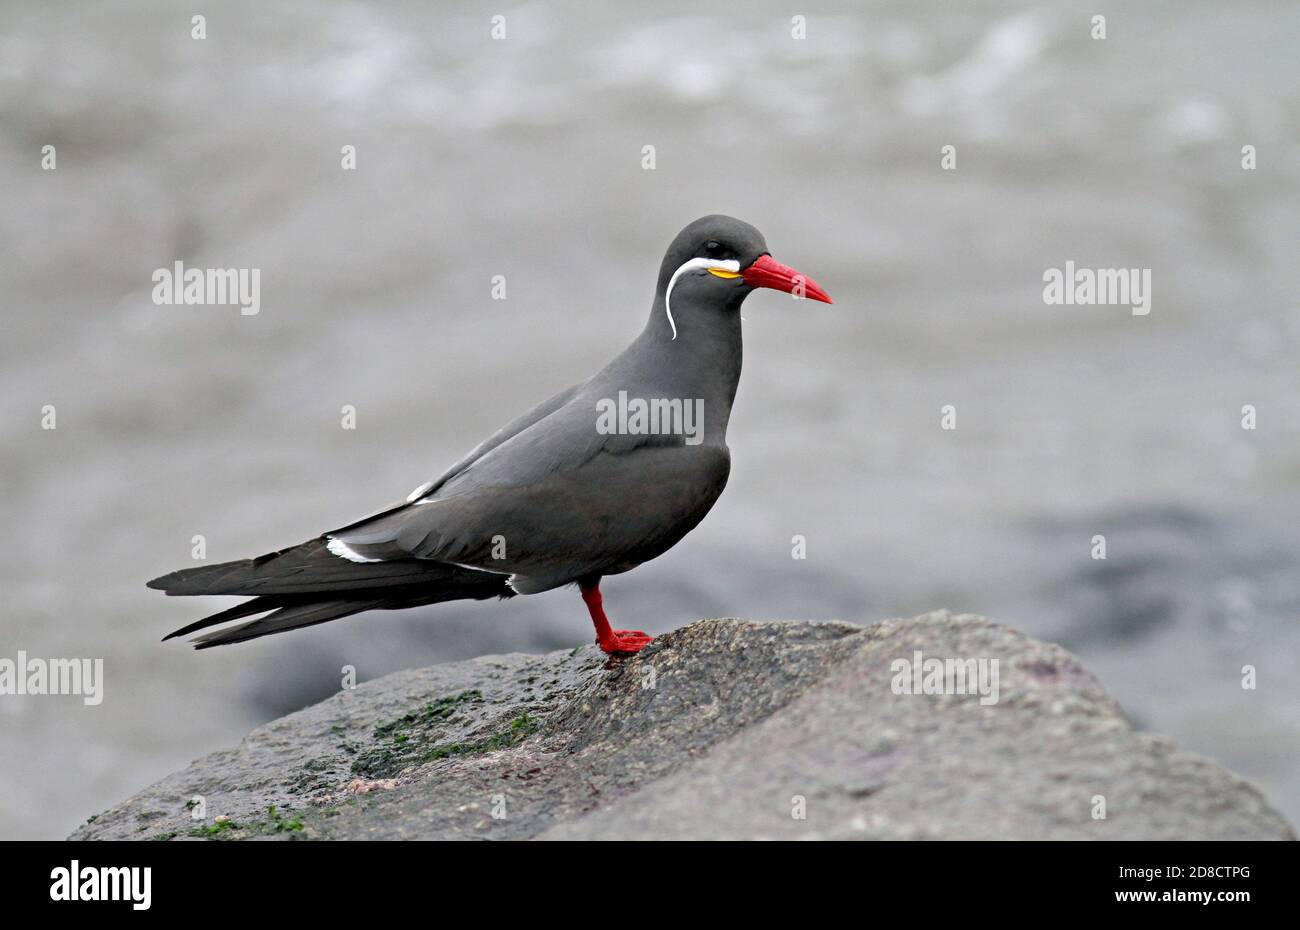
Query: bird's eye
[[713, 248]]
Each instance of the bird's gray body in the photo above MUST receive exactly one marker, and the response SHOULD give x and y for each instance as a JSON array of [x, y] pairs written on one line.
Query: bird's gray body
[[549, 499]]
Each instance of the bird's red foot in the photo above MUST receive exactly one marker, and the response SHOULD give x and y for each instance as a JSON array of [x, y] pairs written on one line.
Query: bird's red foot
[[626, 641]]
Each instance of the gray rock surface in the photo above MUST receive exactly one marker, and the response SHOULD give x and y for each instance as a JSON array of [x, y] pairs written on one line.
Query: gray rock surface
[[716, 730]]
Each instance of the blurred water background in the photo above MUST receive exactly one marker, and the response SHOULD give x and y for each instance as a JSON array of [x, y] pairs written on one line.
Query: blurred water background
[[523, 157]]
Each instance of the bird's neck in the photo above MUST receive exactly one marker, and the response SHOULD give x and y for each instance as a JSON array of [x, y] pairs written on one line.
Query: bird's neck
[[702, 363]]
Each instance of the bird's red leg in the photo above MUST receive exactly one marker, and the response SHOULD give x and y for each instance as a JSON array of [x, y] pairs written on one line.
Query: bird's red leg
[[609, 640]]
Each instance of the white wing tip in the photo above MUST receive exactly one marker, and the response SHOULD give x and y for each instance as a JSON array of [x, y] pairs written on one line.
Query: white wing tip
[[339, 548], [419, 492]]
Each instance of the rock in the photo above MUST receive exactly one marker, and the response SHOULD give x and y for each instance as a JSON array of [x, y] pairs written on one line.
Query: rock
[[722, 729]]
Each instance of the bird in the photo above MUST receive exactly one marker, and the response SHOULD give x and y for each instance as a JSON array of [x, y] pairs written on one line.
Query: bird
[[598, 479]]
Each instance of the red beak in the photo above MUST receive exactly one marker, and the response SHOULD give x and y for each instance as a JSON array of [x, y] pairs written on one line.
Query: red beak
[[768, 272]]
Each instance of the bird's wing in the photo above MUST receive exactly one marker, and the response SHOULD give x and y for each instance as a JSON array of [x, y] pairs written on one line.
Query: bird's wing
[[506, 433], [511, 429], [555, 499]]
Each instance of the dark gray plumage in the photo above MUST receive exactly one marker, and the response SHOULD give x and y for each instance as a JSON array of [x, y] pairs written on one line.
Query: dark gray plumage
[[550, 499]]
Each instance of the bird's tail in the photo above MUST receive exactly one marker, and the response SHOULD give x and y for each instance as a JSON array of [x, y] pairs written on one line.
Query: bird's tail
[[306, 585]]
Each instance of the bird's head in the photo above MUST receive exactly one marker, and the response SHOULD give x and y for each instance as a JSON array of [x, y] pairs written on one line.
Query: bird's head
[[716, 261]]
